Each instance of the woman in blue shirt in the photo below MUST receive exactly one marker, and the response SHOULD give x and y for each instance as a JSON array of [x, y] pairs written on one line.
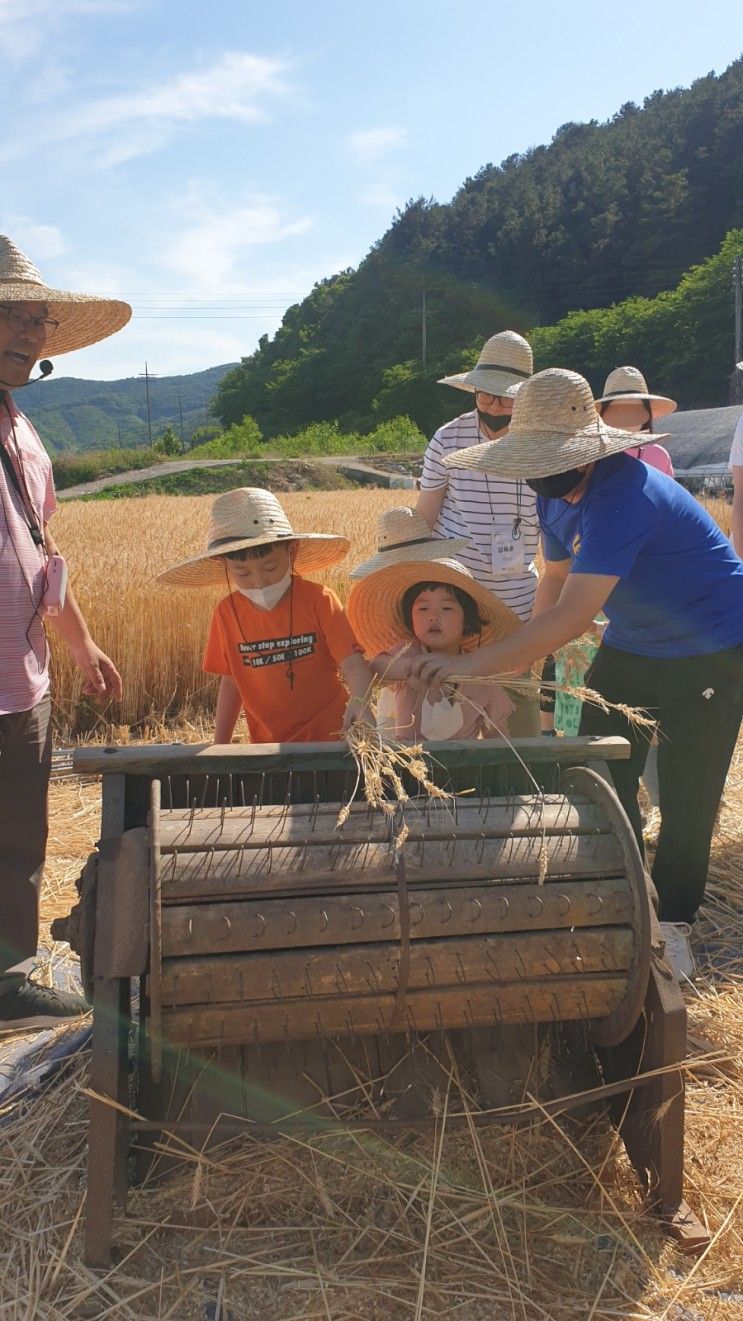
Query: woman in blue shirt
[[620, 537]]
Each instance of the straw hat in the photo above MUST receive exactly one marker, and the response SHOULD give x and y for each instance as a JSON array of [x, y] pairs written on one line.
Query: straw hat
[[374, 607], [402, 534], [629, 383], [83, 318], [250, 516], [505, 361], [554, 427]]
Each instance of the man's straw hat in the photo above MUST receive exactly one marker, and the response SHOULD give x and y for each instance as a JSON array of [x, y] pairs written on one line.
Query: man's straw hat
[[250, 516], [629, 383], [83, 318], [375, 605], [554, 427], [403, 535], [505, 361]]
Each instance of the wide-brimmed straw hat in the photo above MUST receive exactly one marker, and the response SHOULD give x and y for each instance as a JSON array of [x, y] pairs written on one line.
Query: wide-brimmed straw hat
[[402, 535], [629, 383], [554, 426], [250, 516], [375, 605], [505, 362], [83, 318]]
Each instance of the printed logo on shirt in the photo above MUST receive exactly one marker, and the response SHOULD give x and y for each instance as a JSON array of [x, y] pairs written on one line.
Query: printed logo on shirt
[[277, 651], [576, 544]]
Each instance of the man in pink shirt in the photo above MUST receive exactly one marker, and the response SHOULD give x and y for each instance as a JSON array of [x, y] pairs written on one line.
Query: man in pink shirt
[[33, 319]]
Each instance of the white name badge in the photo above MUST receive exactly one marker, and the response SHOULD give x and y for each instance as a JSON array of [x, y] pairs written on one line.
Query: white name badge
[[508, 554]]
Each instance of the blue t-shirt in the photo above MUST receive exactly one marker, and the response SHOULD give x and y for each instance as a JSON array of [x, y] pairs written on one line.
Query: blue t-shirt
[[681, 584]]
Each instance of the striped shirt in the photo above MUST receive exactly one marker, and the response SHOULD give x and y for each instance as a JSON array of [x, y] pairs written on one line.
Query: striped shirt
[[481, 507], [24, 655]]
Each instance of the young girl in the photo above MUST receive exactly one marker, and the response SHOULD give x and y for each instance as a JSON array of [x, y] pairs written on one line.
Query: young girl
[[433, 605], [628, 404]]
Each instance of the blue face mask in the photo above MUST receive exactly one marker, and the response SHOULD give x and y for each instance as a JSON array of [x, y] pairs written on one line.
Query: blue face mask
[[558, 485]]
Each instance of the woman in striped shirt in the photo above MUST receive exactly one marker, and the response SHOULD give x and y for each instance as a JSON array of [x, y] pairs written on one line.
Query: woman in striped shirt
[[497, 518]]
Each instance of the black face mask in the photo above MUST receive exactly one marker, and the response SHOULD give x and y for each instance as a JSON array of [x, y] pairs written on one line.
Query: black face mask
[[495, 421], [558, 485]]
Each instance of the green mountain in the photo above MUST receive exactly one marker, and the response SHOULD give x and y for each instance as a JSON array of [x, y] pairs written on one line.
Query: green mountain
[[72, 414], [603, 214]]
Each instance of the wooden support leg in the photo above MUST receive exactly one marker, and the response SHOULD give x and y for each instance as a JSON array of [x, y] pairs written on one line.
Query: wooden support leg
[[108, 1140], [651, 1123]]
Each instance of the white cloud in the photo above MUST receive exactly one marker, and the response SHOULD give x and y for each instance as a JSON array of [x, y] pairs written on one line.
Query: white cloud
[[40, 242], [212, 254], [237, 86], [25, 26], [369, 145]]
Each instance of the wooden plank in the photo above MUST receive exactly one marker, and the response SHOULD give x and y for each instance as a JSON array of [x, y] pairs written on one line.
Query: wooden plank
[[592, 996], [289, 870], [192, 831], [187, 758], [265, 924], [357, 970]]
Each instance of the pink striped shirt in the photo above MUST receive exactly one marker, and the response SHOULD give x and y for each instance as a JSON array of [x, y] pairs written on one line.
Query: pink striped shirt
[[24, 654]]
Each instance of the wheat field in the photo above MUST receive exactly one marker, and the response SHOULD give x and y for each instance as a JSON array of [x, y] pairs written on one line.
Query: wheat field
[[156, 635]]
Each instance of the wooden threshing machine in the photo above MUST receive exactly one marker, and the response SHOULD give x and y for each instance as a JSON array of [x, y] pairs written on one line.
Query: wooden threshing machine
[[264, 937]]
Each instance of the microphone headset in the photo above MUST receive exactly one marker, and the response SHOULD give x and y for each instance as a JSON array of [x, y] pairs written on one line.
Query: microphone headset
[[45, 369]]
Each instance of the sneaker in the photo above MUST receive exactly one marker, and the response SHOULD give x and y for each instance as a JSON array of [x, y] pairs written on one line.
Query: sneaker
[[678, 949], [32, 1006]]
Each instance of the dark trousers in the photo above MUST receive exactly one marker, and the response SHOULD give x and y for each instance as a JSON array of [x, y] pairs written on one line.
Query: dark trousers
[[698, 703], [25, 763]]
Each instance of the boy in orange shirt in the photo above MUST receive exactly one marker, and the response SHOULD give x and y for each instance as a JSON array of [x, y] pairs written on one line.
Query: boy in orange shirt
[[282, 645]]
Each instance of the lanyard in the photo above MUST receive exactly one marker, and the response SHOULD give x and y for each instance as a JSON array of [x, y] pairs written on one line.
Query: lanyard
[[29, 513]]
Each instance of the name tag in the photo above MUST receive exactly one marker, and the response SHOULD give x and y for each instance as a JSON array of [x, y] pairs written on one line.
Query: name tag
[[508, 554]]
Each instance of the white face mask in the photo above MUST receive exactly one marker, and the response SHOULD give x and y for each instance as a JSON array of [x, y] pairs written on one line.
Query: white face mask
[[265, 598]]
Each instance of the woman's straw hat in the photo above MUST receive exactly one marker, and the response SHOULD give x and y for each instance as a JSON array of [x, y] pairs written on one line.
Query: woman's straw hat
[[505, 361], [629, 383], [83, 318], [250, 516], [402, 534], [554, 427], [375, 605]]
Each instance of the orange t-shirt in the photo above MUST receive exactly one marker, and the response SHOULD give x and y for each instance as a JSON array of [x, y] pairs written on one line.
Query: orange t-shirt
[[309, 628]]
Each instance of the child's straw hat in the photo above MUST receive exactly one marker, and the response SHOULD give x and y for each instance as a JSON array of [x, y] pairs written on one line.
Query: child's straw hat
[[83, 318], [554, 427], [629, 383], [505, 362], [250, 516], [402, 534], [375, 605]]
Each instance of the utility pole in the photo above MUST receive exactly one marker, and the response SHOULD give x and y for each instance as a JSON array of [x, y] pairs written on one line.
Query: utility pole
[[424, 315], [736, 376], [147, 376]]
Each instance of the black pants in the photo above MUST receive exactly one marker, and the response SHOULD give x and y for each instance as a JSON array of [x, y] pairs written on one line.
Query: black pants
[[25, 763], [698, 703]]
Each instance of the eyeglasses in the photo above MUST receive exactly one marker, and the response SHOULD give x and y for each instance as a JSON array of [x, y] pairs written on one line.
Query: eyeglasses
[[24, 321]]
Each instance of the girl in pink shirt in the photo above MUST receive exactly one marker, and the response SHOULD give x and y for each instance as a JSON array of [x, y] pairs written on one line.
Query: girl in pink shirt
[[628, 404]]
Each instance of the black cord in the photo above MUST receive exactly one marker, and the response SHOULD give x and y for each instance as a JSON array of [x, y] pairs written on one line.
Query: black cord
[[290, 668]]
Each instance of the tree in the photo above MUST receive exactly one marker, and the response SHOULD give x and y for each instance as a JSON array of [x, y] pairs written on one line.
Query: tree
[[168, 443]]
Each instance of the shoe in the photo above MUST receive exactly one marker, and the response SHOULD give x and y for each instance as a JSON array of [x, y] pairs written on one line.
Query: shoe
[[678, 949], [32, 1006]]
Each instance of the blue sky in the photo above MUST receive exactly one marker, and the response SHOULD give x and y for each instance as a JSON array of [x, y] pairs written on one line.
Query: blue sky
[[209, 161]]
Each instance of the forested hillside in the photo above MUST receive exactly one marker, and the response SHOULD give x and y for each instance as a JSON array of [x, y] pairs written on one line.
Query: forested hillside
[[606, 213], [73, 414]]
